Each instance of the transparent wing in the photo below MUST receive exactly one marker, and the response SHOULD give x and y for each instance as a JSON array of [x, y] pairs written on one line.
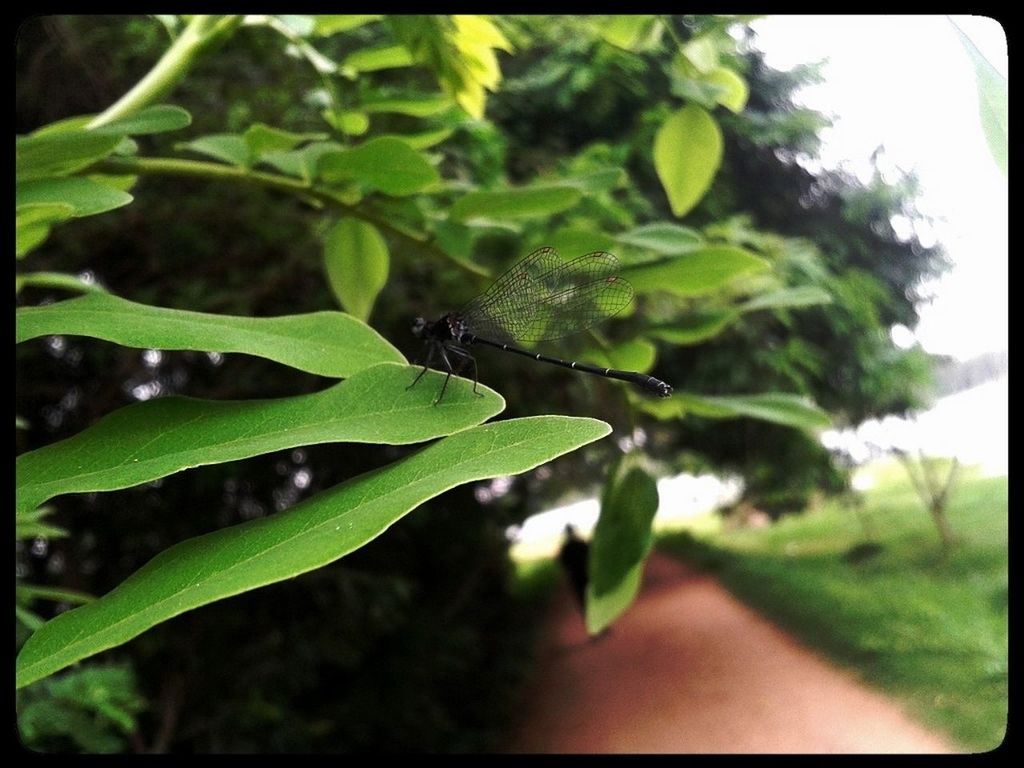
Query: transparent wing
[[543, 297]]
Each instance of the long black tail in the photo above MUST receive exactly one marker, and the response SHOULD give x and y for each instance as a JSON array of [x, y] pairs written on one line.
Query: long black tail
[[642, 380]]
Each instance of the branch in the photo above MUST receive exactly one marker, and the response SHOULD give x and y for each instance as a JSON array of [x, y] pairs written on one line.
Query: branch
[[172, 67], [163, 166]]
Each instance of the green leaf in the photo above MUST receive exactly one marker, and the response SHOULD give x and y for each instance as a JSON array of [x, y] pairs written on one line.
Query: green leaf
[[633, 355], [425, 105], [226, 147], [156, 438], [301, 162], [423, 140], [59, 154], [29, 619], [577, 241], [695, 273], [356, 259], [33, 223], [663, 237], [385, 164], [993, 102], [158, 118], [308, 536], [349, 122], [26, 593], [702, 53], [776, 407], [734, 90], [86, 196], [801, 296], [625, 31], [61, 281], [603, 180], [375, 59], [92, 707], [327, 24], [687, 153], [694, 328], [622, 538], [263, 140], [29, 523], [515, 203], [325, 343], [66, 125]]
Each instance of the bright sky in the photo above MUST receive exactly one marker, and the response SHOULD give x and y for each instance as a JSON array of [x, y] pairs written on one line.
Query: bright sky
[[906, 82]]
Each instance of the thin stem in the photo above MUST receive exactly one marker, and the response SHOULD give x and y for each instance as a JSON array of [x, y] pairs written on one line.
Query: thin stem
[[171, 68], [165, 166]]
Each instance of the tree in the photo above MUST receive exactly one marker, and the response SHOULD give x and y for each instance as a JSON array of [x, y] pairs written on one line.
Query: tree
[[358, 169]]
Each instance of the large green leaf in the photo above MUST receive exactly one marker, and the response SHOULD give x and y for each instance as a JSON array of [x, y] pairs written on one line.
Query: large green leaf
[[576, 241], [695, 328], [356, 259], [625, 30], [663, 237], [687, 153], [695, 273], [86, 196], [800, 296], [386, 164], [159, 437], [310, 535], [59, 154], [622, 538], [633, 355], [517, 203], [325, 343], [776, 407]]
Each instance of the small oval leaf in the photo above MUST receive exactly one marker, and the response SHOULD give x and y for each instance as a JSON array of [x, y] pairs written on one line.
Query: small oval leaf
[[517, 203], [386, 164], [356, 259], [59, 154], [687, 153], [696, 273], [158, 118], [86, 196]]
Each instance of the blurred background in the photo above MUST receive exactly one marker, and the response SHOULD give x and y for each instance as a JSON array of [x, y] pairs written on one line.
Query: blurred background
[[874, 187]]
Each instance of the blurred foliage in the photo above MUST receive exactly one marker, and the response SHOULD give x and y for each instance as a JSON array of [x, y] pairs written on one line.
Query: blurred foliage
[[92, 708], [414, 642]]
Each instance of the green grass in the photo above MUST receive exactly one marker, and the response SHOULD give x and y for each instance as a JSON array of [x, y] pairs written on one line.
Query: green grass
[[929, 629]]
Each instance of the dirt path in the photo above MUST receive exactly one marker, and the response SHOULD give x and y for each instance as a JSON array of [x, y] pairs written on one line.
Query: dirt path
[[689, 669]]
